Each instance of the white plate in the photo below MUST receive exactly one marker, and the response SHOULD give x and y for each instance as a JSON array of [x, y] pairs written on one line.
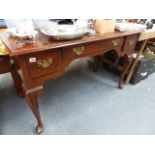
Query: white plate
[[30, 35]]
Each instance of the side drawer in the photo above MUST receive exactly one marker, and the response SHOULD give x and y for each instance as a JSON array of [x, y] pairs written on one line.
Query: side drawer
[[94, 47], [43, 63], [130, 43]]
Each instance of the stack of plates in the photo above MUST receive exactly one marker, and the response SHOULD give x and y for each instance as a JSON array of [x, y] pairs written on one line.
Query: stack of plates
[[13, 33]]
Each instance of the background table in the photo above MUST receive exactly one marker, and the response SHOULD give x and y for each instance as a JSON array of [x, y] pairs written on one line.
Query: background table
[[144, 37]]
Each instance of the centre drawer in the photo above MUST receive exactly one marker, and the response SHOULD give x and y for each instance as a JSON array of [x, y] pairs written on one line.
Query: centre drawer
[[44, 62], [93, 47]]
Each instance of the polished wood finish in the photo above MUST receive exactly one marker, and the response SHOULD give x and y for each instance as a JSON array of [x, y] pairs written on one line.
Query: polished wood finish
[[43, 62], [44, 43], [47, 59], [5, 66], [31, 99], [130, 43]]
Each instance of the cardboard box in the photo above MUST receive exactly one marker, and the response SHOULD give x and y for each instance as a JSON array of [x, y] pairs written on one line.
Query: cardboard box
[[103, 26]]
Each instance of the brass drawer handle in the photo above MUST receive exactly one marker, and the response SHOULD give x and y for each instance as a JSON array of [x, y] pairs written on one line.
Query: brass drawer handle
[[115, 42], [78, 50], [45, 62], [131, 42]]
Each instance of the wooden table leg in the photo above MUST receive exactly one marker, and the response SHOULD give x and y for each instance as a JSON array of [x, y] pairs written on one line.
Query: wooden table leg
[[143, 44], [126, 66], [31, 99], [98, 62], [17, 81], [31, 93]]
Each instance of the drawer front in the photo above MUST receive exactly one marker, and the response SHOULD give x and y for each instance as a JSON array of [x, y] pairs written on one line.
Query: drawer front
[[43, 63], [4, 64], [95, 47], [130, 43]]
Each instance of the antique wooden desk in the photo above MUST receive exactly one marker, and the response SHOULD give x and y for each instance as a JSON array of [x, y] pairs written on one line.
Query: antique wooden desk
[[47, 59]]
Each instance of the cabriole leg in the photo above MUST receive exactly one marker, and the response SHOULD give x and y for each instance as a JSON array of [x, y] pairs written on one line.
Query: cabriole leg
[[31, 99]]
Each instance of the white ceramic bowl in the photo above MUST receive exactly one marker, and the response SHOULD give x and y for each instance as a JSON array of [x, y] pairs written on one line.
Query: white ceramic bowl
[[61, 32]]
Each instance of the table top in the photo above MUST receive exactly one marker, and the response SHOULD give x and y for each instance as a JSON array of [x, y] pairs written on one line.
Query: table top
[[19, 47], [146, 35]]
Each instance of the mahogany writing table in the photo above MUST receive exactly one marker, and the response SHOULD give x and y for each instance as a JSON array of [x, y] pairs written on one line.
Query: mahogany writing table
[[47, 59]]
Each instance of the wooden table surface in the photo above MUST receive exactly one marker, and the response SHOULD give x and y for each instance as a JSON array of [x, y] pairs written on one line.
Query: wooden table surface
[[44, 42], [147, 35]]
